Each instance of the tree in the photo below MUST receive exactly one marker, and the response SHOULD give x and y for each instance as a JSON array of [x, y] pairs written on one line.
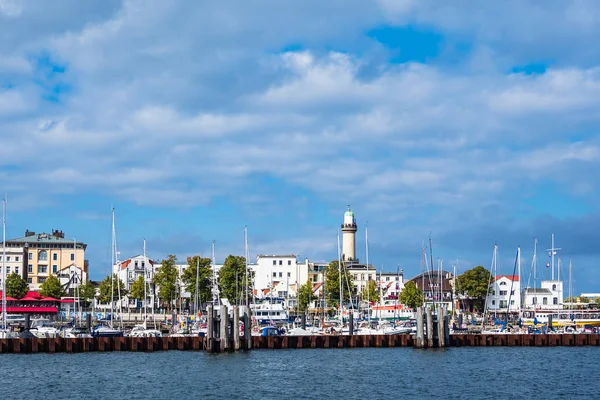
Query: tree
[[332, 284], [52, 288], [411, 295], [137, 289], [474, 282], [198, 267], [106, 285], [166, 280], [87, 291], [16, 286], [371, 292], [232, 279], [305, 296]]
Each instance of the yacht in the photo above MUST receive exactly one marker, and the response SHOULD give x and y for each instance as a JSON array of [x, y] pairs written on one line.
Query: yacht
[[270, 310], [391, 310]]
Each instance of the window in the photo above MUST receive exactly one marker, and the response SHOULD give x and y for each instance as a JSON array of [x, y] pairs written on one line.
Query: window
[[535, 300], [274, 274], [281, 274], [545, 300], [72, 256], [512, 292], [387, 278], [7, 270], [17, 270], [553, 287], [29, 280], [274, 262], [289, 262], [555, 300], [503, 304], [54, 269], [43, 256], [280, 262], [7, 258], [143, 264], [493, 302], [362, 277], [314, 278], [42, 269], [30, 256], [512, 302], [289, 274], [502, 283], [41, 280], [17, 258], [503, 292], [54, 256], [30, 268], [369, 277], [136, 265]]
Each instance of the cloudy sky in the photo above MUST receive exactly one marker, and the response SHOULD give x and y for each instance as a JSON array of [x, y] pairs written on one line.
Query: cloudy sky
[[476, 121]]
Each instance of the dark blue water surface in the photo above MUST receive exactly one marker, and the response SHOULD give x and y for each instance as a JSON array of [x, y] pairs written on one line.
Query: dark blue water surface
[[456, 373]]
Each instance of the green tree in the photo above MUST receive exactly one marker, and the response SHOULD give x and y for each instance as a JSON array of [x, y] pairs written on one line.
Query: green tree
[[411, 295], [137, 289], [16, 286], [371, 292], [199, 267], [474, 282], [52, 288], [305, 296], [232, 279], [332, 284], [105, 287], [166, 280], [87, 292]]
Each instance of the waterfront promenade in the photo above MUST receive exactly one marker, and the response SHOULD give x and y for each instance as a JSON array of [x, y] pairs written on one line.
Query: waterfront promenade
[[194, 343]]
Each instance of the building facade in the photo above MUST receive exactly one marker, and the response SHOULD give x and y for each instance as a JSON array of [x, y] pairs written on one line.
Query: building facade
[[283, 272], [437, 287], [48, 254], [16, 261], [505, 294], [548, 296]]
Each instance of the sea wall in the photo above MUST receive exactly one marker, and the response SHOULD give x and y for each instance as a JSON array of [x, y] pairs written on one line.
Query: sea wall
[[62, 345]]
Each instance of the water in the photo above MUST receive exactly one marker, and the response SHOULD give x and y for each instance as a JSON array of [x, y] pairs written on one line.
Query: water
[[455, 373]]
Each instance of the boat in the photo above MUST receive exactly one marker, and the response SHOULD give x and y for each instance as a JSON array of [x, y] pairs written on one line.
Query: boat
[[106, 331], [142, 331], [562, 317], [391, 310], [270, 310], [43, 328]]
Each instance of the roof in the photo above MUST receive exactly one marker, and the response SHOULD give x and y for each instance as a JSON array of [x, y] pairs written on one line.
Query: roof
[[276, 256], [28, 310], [511, 277], [125, 263], [538, 291], [434, 274], [33, 238], [349, 213], [317, 286]]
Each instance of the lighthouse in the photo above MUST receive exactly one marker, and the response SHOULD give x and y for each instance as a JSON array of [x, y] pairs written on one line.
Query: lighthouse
[[349, 237]]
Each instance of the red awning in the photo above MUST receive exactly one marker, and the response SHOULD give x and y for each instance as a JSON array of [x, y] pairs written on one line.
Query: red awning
[[21, 310], [29, 298], [10, 298], [67, 301], [49, 299]]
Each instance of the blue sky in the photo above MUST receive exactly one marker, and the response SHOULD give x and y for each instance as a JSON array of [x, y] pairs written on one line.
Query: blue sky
[[475, 121]]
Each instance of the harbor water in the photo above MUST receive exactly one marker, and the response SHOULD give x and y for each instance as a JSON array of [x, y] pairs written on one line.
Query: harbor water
[[373, 373]]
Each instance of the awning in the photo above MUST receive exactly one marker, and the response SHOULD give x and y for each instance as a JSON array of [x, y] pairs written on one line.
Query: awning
[[29, 298], [27, 310], [49, 299], [67, 300]]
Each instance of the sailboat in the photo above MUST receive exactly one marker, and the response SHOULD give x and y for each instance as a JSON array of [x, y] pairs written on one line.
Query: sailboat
[[4, 330], [141, 330], [109, 330]]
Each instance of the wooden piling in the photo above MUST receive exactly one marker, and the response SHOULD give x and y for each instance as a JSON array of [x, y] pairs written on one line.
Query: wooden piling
[[429, 317], [236, 328], [420, 340], [223, 335]]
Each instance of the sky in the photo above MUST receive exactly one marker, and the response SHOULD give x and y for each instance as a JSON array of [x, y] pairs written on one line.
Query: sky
[[475, 123]]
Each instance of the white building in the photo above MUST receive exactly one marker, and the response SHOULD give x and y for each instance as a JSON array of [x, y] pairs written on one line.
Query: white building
[[349, 228], [15, 262], [278, 275], [391, 284], [549, 296], [361, 275], [71, 277], [505, 294]]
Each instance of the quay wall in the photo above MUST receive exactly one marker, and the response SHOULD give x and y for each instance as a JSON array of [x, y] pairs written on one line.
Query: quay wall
[[133, 344]]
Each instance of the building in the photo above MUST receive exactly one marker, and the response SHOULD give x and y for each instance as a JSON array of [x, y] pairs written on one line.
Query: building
[[48, 254], [437, 287], [548, 296], [278, 275], [349, 229], [504, 294], [361, 275], [16, 261], [391, 284]]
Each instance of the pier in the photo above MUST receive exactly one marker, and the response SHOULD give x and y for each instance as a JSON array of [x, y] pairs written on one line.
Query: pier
[[195, 343]]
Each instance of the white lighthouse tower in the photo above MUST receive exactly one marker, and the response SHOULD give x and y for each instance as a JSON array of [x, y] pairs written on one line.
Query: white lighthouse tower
[[349, 237]]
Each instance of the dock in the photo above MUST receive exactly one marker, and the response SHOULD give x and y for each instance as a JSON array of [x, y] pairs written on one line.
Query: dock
[[195, 343]]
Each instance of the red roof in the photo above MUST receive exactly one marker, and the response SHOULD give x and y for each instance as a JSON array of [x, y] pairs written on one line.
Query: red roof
[[30, 298], [511, 277], [49, 299], [21, 310]]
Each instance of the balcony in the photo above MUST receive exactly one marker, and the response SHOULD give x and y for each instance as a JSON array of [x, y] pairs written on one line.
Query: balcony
[[350, 226]]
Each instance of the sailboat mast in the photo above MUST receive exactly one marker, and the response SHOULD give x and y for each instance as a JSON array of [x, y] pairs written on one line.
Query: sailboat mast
[[215, 289], [340, 275], [4, 263], [570, 283], [112, 267], [247, 255], [552, 253], [519, 277], [495, 274], [76, 304], [196, 296], [145, 284], [535, 242], [368, 280]]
